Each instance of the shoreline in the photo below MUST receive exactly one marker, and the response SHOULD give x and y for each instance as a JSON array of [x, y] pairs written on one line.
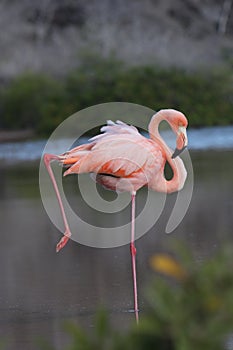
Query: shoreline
[[16, 135]]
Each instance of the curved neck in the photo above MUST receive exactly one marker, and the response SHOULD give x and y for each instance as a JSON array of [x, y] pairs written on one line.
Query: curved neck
[[159, 182], [153, 127]]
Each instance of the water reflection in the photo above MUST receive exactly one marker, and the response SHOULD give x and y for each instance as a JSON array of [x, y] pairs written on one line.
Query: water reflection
[[40, 289]]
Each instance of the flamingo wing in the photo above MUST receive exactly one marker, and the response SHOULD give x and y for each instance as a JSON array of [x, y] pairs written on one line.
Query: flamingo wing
[[109, 132], [117, 155], [120, 151]]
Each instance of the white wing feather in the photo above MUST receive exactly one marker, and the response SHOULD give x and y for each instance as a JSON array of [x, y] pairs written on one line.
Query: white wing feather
[[113, 128]]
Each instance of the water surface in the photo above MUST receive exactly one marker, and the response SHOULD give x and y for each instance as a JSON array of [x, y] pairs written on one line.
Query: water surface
[[219, 137], [40, 289]]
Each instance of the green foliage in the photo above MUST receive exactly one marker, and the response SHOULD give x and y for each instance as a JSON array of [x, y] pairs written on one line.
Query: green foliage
[[103, 337], [197, 312], [205, 98], [187, 311], [39, 102], [93, 82], [33, 101]]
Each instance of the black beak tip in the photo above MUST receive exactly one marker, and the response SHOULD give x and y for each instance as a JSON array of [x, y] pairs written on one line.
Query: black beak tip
[[177, 152]]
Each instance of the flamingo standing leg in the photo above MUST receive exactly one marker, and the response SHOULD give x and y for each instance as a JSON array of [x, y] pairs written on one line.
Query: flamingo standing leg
[[133, 255], [48, 158]]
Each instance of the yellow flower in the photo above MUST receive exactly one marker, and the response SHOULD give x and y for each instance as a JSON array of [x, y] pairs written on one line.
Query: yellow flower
[[213, 303], [166, 265]]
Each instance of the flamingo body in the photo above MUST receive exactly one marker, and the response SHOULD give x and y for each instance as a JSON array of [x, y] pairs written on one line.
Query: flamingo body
[[123, 162]]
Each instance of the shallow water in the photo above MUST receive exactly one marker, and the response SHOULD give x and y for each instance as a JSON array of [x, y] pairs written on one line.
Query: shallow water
[[40, 289], [219, 137]]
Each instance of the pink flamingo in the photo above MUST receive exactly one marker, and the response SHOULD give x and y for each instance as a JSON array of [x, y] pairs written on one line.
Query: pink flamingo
[[123, 160]]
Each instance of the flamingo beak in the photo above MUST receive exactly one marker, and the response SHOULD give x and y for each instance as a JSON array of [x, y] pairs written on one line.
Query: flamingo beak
[[181, 142], [177, 152]]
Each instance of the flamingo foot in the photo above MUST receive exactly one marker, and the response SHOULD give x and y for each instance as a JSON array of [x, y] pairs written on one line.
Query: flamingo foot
[[61, 244]]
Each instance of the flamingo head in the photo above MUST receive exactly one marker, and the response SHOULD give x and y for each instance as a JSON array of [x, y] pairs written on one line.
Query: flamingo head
[[179, 124]]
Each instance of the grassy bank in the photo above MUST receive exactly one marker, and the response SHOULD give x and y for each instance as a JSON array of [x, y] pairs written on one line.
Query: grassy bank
[[40, 102]]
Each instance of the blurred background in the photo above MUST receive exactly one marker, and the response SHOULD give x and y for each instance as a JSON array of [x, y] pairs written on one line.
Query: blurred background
[[58, 57]]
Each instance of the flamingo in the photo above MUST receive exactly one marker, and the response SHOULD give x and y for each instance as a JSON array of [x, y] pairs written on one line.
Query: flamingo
[[121, 159]]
